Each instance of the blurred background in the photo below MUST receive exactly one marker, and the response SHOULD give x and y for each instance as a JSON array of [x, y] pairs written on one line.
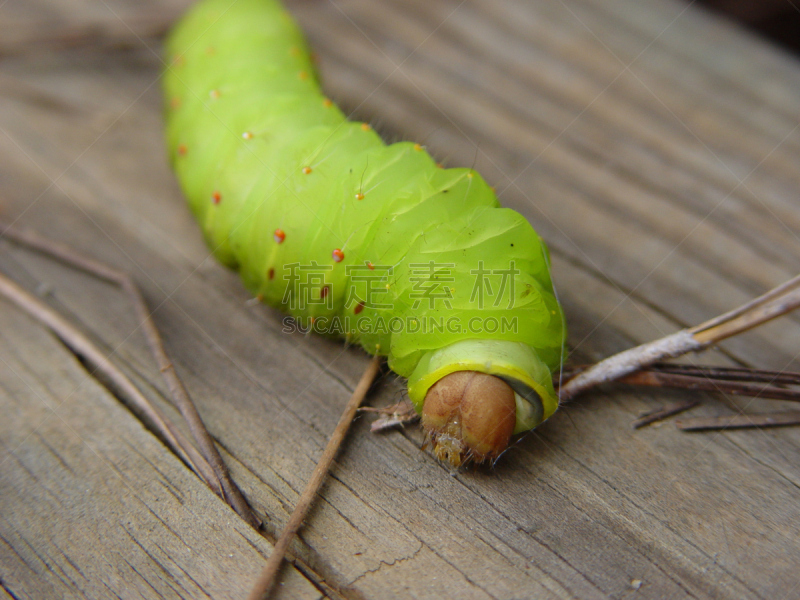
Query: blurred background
[[778, 20]]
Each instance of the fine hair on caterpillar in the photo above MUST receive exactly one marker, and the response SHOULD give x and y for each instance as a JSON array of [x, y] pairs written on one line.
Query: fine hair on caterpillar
[[374, 243]]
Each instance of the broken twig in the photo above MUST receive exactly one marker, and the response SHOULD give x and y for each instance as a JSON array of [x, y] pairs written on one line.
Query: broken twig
[[775, 419], [664, 413], [774, 303], [266, 580], [84, 348], [759, 385], [396, 415], [181, 398]]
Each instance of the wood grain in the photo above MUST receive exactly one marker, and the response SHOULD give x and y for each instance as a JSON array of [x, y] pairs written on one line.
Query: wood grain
[[91, 504], [654, 147]]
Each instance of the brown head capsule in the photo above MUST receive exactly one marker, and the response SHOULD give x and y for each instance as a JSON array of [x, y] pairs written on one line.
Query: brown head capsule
[[469, 415]]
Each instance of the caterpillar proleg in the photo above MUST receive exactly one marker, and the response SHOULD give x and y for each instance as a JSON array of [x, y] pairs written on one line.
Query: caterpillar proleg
[[357, 238]]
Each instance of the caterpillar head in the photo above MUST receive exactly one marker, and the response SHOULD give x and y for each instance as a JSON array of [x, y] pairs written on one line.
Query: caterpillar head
[[469, 416], [473, 395]]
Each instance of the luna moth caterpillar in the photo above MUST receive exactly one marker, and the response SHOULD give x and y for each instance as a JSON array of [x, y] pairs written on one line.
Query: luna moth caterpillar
[[375, 243]]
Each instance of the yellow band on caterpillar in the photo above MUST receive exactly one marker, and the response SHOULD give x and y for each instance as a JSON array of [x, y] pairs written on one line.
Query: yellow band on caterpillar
[[514, 362]]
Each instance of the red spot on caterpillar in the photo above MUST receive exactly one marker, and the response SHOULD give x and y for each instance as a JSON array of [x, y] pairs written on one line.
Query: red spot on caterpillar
[[260, 297], [271, 273], [359, 307], [370, 266], [366, 126], [213, 94], [175, 102], [417, 147], [359, 196], [323, 293], [248, 135], [338, 255], [303, 75], [216, 197], [439, 166], [306, 170], [327, 103], [182, 149], [279, 236]]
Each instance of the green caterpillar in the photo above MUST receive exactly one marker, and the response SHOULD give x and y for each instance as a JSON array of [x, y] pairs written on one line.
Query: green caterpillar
[[357, 238]]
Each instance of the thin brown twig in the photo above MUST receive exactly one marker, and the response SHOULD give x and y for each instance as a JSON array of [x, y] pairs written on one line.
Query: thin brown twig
[[397, 415], [662, 379], [266, 579], [230, 492], [729, 373], [774, 303], [83, 347], [738, 381], [733, 380], [773, 419], [664, 413]]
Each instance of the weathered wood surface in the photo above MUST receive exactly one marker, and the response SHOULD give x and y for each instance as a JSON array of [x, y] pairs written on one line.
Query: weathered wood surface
[[654, 147]]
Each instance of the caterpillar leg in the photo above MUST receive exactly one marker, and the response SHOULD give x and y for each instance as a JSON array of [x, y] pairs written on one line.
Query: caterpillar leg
[[468, 415]]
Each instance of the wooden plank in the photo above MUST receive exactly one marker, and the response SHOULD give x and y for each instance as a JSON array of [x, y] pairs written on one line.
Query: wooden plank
[[87, 513], [656, 150], [44, 27]]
